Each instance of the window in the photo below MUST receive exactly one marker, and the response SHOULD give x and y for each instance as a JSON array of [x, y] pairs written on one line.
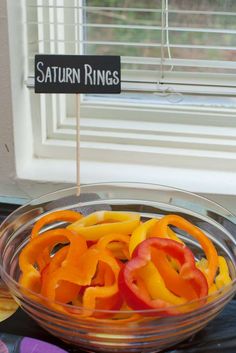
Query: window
[[174, 122]]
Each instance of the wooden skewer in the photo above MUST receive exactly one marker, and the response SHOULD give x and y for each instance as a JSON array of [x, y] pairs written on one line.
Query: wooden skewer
[[78, 143]]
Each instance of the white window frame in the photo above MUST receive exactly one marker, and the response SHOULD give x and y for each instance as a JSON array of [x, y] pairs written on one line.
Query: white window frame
[[188, 164]]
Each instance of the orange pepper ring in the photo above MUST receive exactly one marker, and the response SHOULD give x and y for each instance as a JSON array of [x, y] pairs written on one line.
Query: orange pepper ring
[[63, 215]]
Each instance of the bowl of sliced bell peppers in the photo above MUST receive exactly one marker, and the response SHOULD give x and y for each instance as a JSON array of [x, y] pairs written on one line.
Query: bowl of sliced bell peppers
[[122, 267]]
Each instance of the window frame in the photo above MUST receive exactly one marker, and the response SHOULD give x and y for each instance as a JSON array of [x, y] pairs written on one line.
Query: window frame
[[52, 162]]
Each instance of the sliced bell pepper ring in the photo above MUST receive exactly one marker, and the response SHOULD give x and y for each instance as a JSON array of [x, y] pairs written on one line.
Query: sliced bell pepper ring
[[101, 223], [195, 232], [103, 292], [105, 278], [103, 275], [140, 234], [65, 292], [116, 243], [147, 230], [156, 286], [139, 300], [170, 234], [31, 277], [83, 272], [222, 279], [80, 274], [172, 279], [119, 250], [104, 297], [43, 259], [57, 216], [112, 303], [54, 263]]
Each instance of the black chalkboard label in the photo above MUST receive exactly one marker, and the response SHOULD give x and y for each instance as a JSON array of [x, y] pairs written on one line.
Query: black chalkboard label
[[77, 74]]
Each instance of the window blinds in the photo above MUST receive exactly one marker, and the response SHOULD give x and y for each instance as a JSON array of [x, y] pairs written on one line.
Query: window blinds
[[184, 46]]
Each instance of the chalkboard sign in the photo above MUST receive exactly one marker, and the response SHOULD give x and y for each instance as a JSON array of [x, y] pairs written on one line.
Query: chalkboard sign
[[77, 74]]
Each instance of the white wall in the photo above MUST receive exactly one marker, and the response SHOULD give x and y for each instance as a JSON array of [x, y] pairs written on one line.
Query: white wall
[[10, 185], [7, 162]]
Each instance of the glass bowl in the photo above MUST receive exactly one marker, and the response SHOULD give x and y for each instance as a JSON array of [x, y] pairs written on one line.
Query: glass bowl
[[140, 333]]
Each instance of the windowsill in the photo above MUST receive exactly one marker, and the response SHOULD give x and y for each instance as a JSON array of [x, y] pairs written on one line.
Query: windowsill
[[64, 172]]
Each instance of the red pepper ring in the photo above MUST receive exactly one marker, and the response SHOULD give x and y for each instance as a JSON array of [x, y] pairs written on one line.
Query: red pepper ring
[[140, 300]]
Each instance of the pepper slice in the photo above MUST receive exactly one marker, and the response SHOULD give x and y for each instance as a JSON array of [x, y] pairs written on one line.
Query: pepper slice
[[222, 279], [82, 272], [116, 243], [147, 230], [172, 279], [101, 223], [65, 291], [104, 277], [204, 241], [139, 300], [141, 233], [81, 264], [31, 277], [155, 285], [58, 216], [55, 262]]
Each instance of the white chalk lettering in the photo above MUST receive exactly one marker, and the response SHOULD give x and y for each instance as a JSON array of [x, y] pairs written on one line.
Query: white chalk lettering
[[100, 79], [69, 74], [40, 79], [115, 78], [92, 76], [54, 73], [61, 75], [109, 78], [76, 75], [88, 74], [95, 77], [48, 75]]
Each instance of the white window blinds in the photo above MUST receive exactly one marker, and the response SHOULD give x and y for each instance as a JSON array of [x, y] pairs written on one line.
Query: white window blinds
[[184, 46]]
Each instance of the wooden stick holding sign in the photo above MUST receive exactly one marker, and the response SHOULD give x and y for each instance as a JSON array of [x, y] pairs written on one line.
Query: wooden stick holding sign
[[78, 143], [77, 74]]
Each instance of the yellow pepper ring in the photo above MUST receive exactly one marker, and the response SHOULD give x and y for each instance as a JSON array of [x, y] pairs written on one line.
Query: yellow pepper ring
[[222, 279], [141, 233], [117, 243], [156, 286], [113, 237], [100, 223], [147, 230]]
